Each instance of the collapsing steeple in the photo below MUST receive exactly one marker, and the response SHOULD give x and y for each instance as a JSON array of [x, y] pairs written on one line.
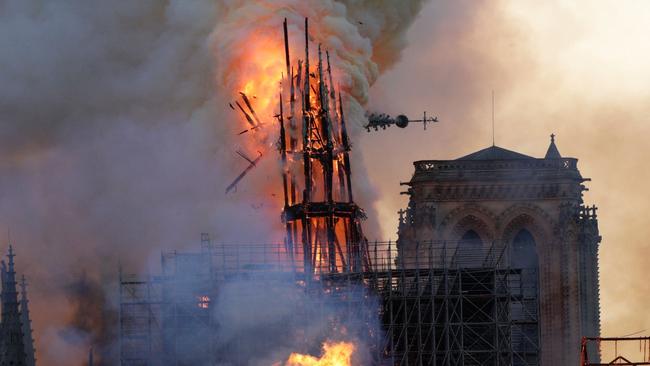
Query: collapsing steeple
[[28, 340]]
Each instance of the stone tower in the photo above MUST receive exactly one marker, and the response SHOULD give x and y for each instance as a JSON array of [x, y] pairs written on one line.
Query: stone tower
[[12, 348], [26, 323], [532, 206]]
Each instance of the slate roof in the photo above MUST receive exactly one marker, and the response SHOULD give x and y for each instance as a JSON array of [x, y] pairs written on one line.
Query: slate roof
[[552, 152], [495, 153]]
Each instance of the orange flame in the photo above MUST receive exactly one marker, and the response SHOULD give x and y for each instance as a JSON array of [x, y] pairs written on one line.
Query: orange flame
[[334, 354], [258, 74], [203, 301]]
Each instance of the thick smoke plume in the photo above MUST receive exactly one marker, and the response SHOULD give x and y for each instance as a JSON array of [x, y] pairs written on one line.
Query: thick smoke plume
[[263, 321], [115, 141], [363, 38], [94, 318], [554, 68]]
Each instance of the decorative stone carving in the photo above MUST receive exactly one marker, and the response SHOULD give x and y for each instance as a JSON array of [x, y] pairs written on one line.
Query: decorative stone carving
[[496, 193]]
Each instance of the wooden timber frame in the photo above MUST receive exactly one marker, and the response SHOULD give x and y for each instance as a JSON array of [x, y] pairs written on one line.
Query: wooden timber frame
[[319, 211]]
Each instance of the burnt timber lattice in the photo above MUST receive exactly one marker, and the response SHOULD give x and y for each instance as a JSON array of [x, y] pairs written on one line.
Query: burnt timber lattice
[[319, 210]]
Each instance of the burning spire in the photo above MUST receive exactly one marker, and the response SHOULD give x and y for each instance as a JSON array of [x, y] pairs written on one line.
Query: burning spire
[[322, 222], [326, 221]]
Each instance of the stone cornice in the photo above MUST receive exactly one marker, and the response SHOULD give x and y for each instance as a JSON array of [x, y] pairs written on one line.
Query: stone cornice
[[511, 191]]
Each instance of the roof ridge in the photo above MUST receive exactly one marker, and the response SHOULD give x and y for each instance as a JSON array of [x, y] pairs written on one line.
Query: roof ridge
[[495, 153]]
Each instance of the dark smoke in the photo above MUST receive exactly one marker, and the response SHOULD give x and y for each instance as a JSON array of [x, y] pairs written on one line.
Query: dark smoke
[[93, 320], [114, 145]]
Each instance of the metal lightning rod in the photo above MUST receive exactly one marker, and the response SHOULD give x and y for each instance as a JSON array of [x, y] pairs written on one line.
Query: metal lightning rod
[[492, 117]]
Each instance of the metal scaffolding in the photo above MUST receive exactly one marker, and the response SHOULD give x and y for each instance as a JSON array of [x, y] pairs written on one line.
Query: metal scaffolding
[[432, 308], [591, 348]]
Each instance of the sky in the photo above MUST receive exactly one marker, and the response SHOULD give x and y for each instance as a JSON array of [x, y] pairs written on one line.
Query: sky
[[115, 146], [576, 69]]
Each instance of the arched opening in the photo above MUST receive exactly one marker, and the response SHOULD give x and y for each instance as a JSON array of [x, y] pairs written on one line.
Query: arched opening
[[524, 251], [469, 252], [524, 260], [471, 239]]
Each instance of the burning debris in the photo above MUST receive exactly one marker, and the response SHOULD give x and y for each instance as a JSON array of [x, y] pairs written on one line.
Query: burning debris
[[319, 211], [334, 354], [160, 94], [325, 221], [252, 164], [254, 121]]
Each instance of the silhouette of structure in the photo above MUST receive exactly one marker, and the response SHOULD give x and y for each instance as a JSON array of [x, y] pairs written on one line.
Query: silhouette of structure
[[496, 261], [533, 206], [16, 343], [322, 221], [496, 264], [592, 345], [28, 340]]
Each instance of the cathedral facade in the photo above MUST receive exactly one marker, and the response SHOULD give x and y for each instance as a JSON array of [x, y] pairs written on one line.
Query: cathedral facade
[[534, 208]]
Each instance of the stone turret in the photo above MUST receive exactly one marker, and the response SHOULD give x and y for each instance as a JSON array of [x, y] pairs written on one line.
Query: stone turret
[[495, 198], [26, 323], [552, 152]]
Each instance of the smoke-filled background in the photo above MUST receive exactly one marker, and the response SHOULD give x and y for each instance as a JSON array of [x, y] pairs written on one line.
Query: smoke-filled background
[[577, 69], [115, 139]]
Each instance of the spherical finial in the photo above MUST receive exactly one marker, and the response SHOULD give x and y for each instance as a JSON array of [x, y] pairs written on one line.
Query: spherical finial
[[552, 137]]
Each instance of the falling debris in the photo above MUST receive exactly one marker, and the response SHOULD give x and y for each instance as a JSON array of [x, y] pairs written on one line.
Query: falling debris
[[252, 164], [248, 117], [250, 108]]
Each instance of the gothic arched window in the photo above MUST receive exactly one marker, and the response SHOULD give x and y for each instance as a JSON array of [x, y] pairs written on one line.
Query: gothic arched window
[[524, 251], [471, 240], [525, 261], [469, 250]]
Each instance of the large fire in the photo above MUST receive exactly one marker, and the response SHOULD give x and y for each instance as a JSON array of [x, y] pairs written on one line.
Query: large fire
[[334, 354], [259, 75], [291, 105]]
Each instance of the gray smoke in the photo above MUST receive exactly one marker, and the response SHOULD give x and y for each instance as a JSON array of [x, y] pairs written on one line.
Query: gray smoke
[[262, 321], [114, 140]]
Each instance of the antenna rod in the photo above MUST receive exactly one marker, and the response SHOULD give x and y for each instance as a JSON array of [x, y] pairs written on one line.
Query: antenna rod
[[492, 117]]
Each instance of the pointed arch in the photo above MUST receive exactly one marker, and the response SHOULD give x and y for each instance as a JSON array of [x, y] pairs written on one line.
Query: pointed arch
[[468, 217], [525, 216]]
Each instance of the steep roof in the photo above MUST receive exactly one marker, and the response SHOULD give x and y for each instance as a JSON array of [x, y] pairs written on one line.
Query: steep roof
[[552, 152], [495, 153]]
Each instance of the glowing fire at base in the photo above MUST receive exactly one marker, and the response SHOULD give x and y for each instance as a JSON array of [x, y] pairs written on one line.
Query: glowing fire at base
[[334, 354]]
